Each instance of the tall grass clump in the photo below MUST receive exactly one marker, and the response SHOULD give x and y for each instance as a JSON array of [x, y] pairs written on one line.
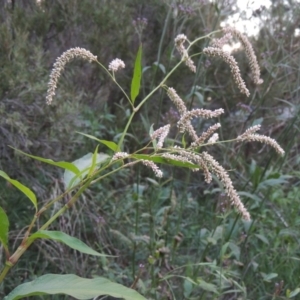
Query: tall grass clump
[[171, 145]]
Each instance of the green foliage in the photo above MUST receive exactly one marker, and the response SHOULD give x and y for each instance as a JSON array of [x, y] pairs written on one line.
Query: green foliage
[[72, 285], [65, 239], [137, 75], [177, 237], [4, 226], [25, 190]]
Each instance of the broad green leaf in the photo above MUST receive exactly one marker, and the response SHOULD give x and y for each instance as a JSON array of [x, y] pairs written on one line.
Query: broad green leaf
[[74, 286], [162, 160], [66, 239], [137, 76], [83, 164], [61, 164], [294, 293], [262, 238], [25, 190], [268, 277], [4, 225], [209, 287], [111, 145]]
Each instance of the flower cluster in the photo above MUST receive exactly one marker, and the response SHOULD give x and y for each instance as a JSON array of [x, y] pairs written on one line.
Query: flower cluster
[[59, 66], [205, 135], [250, 135], [116, 65], [223, 176], [154, 167], [179, 41], [185, 120], [219, 43], [161, 134], [230, 60], [120, 155], [216, 50], [249, 53]]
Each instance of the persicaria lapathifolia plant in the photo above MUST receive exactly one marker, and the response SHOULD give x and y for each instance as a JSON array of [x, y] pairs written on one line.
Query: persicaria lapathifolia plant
[[79, 176]]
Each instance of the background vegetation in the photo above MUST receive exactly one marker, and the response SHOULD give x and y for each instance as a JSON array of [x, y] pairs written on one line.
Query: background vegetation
[[176, 238]]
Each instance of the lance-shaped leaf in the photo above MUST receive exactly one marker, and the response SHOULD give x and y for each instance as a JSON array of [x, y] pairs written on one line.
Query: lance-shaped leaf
[[66, 239], [83, 164], [4, 225], [111, 145], [74, 286], [25, 190], [163, 160], [61, 164], [137, 76]]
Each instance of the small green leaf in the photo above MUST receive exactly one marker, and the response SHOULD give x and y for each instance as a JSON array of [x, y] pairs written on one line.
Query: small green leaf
[[161, 66], [25, 190], [4, 225], [74, 286], [83, 164], [137, 76], [268, 277], [111, 145], [94, 161], [60, 164], [66, 239]]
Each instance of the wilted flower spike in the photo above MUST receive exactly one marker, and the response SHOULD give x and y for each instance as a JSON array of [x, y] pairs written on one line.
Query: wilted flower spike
[[154, 167], [161, 134], [255, 70], [212, 51], [59, 66], [116, 65]]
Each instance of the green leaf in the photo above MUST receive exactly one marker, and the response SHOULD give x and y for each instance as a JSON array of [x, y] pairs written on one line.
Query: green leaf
[[111, 145], [4, 225], [137, 76], [25, 190], [60, 164], [209, 287], [74, 286], [83, 164], [294, 293], [66, 239], [94, 160], [268, 277], [162, 160], [161, 66], [262, 238]]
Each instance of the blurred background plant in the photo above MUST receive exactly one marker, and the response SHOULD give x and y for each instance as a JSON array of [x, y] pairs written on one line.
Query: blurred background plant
[[175, 239]]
